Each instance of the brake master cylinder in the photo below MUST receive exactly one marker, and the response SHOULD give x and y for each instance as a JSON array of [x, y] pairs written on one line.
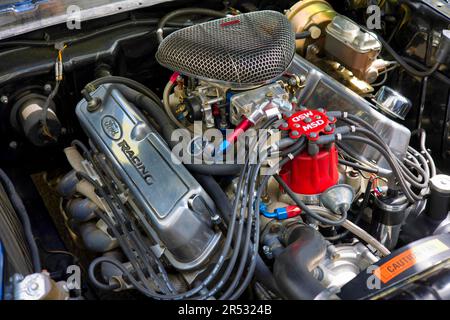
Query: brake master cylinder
[[315, 169]]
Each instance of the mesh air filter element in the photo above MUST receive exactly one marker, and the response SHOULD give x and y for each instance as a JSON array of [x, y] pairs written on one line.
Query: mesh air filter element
[[244, 50]]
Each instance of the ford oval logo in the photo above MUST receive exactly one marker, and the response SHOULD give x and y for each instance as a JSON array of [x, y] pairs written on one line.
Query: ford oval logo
[[112, 128]]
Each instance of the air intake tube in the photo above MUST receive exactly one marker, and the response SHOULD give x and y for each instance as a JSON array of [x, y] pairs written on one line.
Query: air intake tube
[[293, 268]]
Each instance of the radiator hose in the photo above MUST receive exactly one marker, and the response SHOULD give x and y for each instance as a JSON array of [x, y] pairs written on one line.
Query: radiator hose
[[293, 268]]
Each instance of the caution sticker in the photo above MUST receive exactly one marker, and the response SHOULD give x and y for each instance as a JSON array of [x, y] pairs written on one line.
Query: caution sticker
[[408, 259]]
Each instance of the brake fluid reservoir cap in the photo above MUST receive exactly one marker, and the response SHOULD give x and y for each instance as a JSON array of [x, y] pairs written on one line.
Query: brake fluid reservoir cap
[[310, 123]]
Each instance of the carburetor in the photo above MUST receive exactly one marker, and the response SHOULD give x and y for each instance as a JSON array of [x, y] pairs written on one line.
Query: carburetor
[[201, 101], [196, 104], [247, 103]]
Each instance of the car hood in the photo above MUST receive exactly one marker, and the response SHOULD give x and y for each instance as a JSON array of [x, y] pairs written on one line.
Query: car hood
[[19, 17]]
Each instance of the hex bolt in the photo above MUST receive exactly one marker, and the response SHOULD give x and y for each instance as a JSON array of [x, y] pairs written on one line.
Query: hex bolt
[[318, 273], [295, 133], [94, 104], [34, 286], [321, 110], [314, 49], [307, 120], [285, 125], [48, 87], [328, 128], [313, 135], [331, 118], [267, 252]]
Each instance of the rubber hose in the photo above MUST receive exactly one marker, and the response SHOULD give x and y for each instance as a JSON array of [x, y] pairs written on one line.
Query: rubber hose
[[166, 104], [185, 11], [357, 231], [24, 218], [293, 268], [152, 108], [127, 82], [411, 70]]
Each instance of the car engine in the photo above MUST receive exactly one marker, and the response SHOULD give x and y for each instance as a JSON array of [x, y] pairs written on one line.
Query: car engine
[[259, 150]]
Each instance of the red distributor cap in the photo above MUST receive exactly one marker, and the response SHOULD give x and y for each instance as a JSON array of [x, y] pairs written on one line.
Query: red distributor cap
[[310, 123]]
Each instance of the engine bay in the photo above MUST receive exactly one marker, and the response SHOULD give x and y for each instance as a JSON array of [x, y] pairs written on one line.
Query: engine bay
[[256, 150]]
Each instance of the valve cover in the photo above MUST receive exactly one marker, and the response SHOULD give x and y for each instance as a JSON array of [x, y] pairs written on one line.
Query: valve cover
[[160, 189]]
